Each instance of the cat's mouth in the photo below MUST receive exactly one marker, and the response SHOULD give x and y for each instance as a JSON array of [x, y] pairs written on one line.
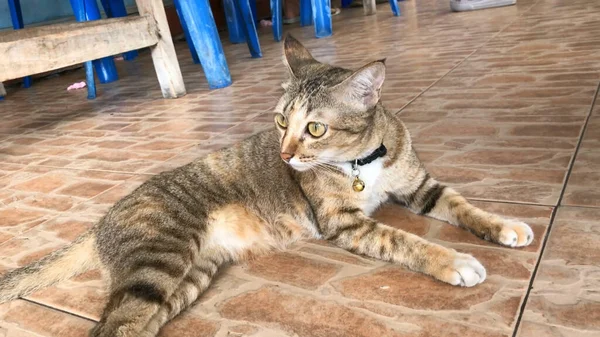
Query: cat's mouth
[[301, 165]]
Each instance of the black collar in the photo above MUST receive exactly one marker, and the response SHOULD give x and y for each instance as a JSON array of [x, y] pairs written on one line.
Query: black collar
[[380, 152]]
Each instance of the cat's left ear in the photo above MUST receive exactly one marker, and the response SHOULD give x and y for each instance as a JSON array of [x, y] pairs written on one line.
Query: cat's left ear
[[363, 88], [295, 56]]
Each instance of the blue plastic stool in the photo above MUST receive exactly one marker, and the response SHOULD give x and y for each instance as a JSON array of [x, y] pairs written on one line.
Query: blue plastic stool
[[105, 67], [393, 4], [235, 27], [16, 17], [117, 9], [240, 24], [79, 10], [244, 10], [197, 17], [188, 39], [235, 21], [311, 11], [306, 18]]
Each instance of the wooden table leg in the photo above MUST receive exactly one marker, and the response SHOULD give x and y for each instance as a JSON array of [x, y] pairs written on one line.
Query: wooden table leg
[[163, 53], [370, 7]]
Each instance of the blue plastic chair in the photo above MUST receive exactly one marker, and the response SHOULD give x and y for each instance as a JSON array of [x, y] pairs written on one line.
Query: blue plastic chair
[[87, 10], [203, 40], [311, 11], [201, 35], [84, 10], [16, 16], [241, 24]]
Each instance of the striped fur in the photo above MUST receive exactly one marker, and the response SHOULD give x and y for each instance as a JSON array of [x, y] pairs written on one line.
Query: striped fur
[[161, 245]]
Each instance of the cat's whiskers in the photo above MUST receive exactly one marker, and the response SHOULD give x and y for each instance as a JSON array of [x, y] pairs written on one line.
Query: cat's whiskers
[[327, 166]]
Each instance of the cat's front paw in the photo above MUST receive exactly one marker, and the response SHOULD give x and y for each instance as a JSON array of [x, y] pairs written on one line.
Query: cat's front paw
[[515, 234], [463, 270]]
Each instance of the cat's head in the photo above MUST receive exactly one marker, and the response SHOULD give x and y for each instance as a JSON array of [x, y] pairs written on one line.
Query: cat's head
[[327, 114]]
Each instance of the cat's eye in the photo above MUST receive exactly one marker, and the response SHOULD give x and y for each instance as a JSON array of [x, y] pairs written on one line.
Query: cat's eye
[[281, 121], [316, 129]]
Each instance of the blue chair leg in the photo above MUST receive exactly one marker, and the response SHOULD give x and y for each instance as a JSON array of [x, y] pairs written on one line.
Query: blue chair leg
[[234, 22], [321, 10], [105, 67], [254, 10], [89, 78], [346, 3], [79, 9], [204, 36], [306, 17], [277, 19], [395, 7], [188, 39], [16, 17], [243, 6], [117, 9]]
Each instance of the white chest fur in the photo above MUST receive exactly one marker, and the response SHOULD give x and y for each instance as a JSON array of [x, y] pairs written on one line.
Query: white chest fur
[[371, 174]]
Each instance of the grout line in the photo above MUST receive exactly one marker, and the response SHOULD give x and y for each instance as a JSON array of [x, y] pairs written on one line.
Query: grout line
[[483, 44], [583, 131], [581, 206], [446, 74], [553, 216], [524, 203], [57, 309]]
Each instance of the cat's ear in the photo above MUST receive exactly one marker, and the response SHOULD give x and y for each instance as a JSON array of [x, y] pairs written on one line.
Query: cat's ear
[[295, 55], [363, 88]]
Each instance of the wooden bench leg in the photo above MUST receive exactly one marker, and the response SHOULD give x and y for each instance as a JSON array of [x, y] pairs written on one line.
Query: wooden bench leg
[[370, 7], [163, 53]]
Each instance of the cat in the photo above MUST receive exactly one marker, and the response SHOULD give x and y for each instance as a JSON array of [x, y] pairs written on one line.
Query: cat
[[334, 156]]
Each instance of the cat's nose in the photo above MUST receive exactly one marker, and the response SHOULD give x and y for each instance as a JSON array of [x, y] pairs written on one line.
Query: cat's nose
[[286, 156]]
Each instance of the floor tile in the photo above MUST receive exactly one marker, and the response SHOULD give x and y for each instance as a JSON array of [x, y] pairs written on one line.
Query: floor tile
[[495, 100], [564, 300], [25, 319], [500, 136], [583, 188]]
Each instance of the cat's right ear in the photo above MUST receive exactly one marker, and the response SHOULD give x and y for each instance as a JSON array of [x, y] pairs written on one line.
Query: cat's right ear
[[295, 56], [363, 88]]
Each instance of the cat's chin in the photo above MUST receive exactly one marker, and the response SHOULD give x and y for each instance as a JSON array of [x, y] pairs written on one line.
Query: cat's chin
[[299, 166]]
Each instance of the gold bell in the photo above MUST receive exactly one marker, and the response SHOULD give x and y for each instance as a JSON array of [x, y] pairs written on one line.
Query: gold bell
[[358, 185]]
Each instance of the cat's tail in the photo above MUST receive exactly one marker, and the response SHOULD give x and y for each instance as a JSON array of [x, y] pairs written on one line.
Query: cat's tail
[[62, 264]]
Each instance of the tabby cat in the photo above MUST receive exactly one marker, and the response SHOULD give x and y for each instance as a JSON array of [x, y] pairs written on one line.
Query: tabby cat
[[335, 155]]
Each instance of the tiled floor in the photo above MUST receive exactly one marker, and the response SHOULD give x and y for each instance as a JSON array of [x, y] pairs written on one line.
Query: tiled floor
[[500, 105]]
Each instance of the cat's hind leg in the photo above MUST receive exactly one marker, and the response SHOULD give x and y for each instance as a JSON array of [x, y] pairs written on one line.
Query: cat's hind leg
[[130, 309], [193, 285], [140, 285]]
